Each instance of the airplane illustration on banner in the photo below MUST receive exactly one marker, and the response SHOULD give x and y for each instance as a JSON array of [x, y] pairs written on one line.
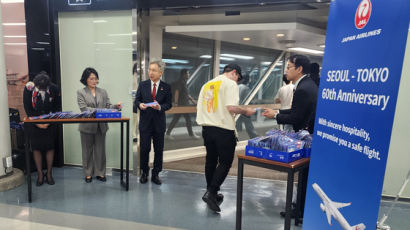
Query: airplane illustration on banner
[[332, 209]]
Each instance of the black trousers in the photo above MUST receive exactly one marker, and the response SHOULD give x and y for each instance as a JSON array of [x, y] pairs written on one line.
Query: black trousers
[[145, 144], [220, 150]]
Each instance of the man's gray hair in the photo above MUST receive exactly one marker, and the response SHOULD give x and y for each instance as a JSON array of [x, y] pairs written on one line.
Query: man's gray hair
[[161, 65]]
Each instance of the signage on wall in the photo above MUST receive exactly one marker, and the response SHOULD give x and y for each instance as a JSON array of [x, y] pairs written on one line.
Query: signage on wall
[[361, 73], [79, 2]]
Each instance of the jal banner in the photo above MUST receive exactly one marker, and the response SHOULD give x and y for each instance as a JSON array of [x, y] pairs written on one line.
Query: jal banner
[[360, 78]]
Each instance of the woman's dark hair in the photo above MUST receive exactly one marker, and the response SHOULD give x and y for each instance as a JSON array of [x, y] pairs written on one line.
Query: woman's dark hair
[[86, 74], [42, 80], [182, 74], [245, 79], [314, 68], [285, 79]]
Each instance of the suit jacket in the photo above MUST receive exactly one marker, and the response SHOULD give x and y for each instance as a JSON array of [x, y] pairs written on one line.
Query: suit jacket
[[302, 113], [86, 101], [151, 119]]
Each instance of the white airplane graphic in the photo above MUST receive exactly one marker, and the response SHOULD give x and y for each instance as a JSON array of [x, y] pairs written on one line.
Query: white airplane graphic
[[332, 209]]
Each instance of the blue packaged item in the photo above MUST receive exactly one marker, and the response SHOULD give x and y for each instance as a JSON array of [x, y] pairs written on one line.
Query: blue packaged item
[[285, 157], [107, 113], [254, 151]]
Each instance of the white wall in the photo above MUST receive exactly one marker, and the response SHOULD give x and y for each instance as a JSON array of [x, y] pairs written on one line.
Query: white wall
[[102, 40], [398, 162]]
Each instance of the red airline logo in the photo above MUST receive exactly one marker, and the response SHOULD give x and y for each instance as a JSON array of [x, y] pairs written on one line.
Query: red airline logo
[[363, 12]]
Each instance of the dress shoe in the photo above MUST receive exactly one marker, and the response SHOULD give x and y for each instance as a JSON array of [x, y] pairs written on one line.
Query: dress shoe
[[210, 199], [101, 178], [292, 214], [219, 197], [39, 183], [156, 180], [144, 178], [50, 180], [88, 179]]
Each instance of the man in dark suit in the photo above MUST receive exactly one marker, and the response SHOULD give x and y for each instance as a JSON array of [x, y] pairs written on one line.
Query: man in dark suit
[[302, 113], [152, 119]]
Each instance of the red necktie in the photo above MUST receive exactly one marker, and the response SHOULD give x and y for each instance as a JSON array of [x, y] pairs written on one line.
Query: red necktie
[[154, 91]]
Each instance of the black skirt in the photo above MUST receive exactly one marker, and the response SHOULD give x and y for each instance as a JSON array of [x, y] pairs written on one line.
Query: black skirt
[[43, 139]]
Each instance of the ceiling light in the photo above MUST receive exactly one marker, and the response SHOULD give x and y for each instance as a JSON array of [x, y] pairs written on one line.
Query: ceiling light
[[99, 21], [238, 56], [174, 47], [227, 59], [305, 50], [246, 39], [12, 1], [15, 44], [15, 36], [175, 61], [206, 56], [322, 46], [14, 24], [280, 35]]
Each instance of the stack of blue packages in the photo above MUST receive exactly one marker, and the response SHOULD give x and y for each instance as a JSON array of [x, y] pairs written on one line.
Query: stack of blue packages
[[65, 115], [277, 146], [302, 135]]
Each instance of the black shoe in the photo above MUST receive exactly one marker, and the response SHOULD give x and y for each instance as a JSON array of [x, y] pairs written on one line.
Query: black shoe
[[39, 183], [49, 181], [210, 199], [292, 214], [156, 180], [144, 178], [219, 197], [135, 140], [101, 178], [88, 179]]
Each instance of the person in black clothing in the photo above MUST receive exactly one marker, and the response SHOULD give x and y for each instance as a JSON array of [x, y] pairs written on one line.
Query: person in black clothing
[[314, 73], [181, 98], [42, 97], [302, 113]]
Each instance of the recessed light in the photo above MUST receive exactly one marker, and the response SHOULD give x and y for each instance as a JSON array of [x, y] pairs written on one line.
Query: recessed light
[[280, 35], [305, 50], [174, 47], [12, 1], [14, 24], [15, 36], [322, 46], [246, 39]]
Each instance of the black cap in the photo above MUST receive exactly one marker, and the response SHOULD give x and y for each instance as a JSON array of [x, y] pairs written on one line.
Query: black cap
[[233, 66]]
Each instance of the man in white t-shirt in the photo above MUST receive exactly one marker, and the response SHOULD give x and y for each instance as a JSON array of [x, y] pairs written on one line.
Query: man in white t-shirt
[[284, 97], [216, 109]]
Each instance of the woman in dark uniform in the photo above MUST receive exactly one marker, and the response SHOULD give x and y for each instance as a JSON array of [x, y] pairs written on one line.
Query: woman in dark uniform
[[42, 97]]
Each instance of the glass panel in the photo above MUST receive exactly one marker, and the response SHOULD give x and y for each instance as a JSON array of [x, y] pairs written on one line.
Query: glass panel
[[102, 40], [15, 52], [184, 53], [254, 62]]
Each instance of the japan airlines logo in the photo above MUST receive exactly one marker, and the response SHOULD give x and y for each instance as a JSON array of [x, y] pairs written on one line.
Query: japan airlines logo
[[363, 12]]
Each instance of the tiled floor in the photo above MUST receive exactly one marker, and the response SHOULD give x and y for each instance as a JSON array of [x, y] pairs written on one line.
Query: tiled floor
[[176, 204]]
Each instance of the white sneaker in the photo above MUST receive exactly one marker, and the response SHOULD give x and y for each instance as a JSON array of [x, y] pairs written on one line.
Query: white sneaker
[[194, 136], [169, 137]]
